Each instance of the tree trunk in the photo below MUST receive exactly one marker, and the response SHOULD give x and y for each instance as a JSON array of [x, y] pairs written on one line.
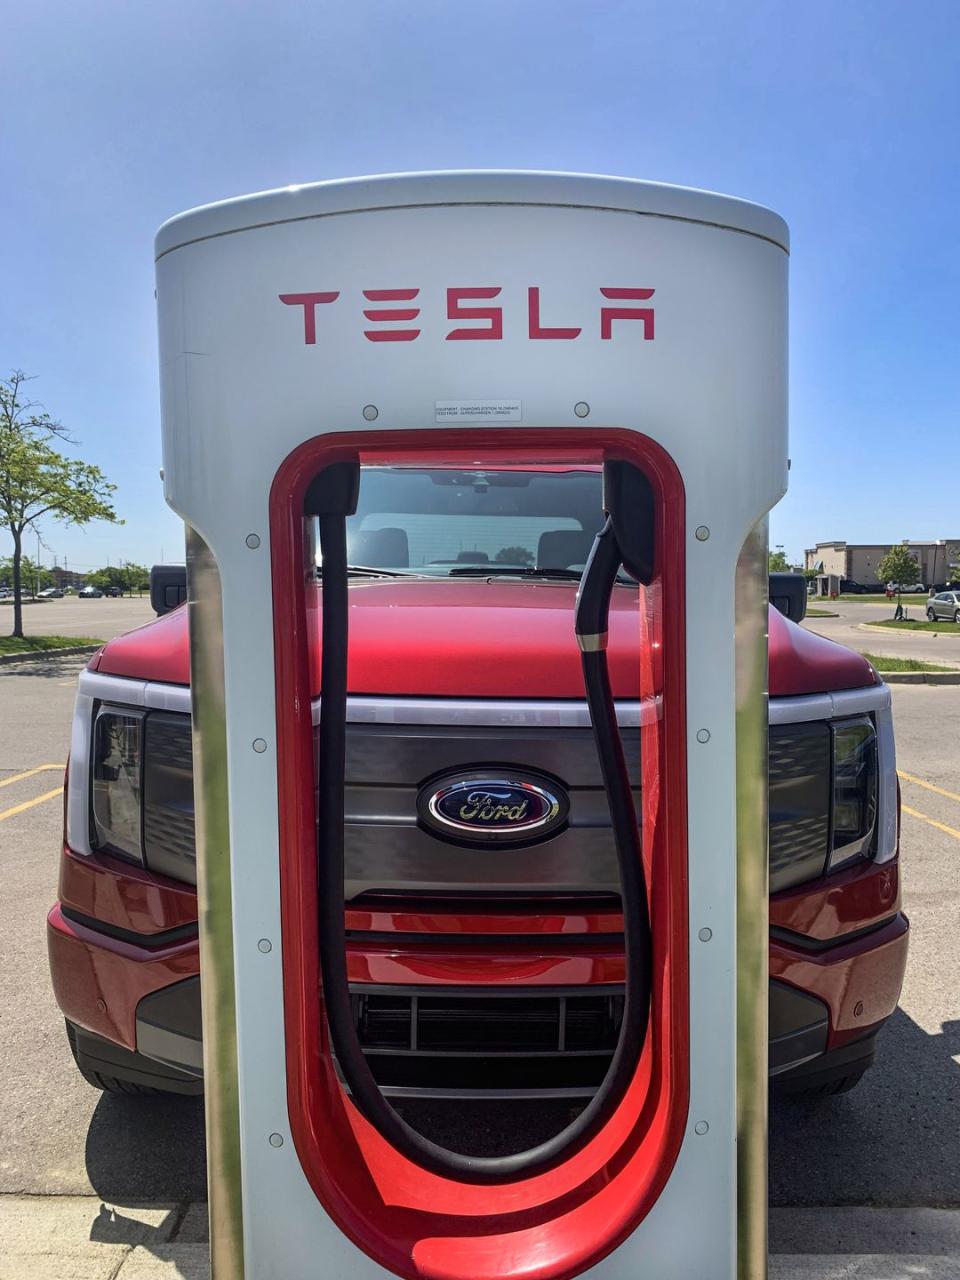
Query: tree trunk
[[17, 587]]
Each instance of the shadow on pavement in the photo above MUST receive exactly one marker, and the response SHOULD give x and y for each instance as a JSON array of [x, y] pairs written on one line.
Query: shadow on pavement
[[111, 1226], [891, 1141], [143, 1148], [65, 668]]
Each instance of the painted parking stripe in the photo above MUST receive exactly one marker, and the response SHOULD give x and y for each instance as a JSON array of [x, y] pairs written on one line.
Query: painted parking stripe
[[48, 795], [932, 822], [28, 773], [920, 782]]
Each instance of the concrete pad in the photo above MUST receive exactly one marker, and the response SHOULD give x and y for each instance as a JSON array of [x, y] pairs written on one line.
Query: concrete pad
[[48, 1267], [167, 1262], [915, 1266], [32, 1225]]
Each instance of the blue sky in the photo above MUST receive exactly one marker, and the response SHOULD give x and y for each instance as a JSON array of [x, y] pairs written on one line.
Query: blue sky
[[842, 116]]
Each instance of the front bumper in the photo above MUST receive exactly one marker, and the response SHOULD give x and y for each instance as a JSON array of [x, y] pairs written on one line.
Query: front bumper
[[423, 980]]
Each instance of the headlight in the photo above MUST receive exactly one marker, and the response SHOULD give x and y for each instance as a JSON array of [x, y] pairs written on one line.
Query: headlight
[[854, 790], [118, 782], [823, 780]]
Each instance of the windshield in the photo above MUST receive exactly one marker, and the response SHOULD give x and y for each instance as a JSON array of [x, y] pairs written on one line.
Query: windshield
[[437, 522]]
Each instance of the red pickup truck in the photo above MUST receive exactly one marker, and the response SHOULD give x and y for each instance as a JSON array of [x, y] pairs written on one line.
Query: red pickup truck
[[478, 969]]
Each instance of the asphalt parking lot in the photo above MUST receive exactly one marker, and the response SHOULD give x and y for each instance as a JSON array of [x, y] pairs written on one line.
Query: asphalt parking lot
[[101, 619], [892, 1141]]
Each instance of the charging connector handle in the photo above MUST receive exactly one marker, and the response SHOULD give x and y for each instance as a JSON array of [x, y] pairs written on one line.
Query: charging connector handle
[[338, 495]]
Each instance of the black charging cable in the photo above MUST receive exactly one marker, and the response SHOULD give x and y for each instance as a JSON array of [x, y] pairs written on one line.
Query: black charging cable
[[332, 497]]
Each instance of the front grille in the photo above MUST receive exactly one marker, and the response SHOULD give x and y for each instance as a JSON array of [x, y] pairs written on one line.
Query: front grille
[[386, 851], [456, 1041]]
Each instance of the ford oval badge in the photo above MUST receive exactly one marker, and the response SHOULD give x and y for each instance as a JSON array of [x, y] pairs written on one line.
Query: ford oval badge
[[493, 806]]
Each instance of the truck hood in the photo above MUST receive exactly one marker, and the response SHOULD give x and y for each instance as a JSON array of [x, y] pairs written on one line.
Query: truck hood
[[470, 638]]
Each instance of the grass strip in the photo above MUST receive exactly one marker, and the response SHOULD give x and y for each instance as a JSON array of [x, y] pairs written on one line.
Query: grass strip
[[914, 624], [902, 664], [42, 644], [870, 597]]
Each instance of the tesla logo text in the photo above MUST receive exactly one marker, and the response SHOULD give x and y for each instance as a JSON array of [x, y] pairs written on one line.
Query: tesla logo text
[[395, 313]]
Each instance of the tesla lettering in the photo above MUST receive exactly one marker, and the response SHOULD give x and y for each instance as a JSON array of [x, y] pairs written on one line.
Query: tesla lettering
[[486, 322]]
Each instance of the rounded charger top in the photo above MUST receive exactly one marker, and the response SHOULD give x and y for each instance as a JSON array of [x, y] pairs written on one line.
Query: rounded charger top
[[465, 187]]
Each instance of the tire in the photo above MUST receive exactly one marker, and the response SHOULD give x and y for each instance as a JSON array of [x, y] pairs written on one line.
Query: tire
[[956, 617], [828, 1088], [113, 1069], [835, 1072], [931, 616]]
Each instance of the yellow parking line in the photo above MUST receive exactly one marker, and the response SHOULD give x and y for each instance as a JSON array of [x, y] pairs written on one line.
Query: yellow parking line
[[19, 777], [48, 795], [909, 777], [932, 822]]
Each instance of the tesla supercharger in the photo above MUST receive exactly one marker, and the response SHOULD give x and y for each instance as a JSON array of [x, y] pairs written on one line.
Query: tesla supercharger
[[466, 318]]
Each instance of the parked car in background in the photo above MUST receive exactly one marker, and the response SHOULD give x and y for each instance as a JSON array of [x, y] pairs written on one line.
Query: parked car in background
[[113, 591], [944, 607], [908, 588], [50, 593], [90, 593]]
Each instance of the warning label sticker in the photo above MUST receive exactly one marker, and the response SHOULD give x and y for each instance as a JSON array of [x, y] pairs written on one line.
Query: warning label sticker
[[479, 411]]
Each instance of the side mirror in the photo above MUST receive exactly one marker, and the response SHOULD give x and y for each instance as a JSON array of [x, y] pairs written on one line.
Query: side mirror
[[168, 587], [788, 593]]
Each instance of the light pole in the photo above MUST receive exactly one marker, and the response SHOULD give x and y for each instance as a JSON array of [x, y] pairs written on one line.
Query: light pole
[[36, 567]]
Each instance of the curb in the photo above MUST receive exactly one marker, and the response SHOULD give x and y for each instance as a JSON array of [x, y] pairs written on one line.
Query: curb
[[31, 655], [874, 627], [920, 677]]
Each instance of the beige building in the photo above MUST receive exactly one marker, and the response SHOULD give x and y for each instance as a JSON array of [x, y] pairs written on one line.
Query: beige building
[[859, 561]]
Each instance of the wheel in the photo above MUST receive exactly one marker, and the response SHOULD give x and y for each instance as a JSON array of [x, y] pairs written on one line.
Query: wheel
[[931, 616], [113, 1069], [956, 616]]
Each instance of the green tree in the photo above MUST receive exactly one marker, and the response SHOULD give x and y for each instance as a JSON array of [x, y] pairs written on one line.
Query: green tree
[[898, 566], [514, 555], [34, 575], [778, 562], [126, 577], [137, 577], [37, 481], [111, 576]]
